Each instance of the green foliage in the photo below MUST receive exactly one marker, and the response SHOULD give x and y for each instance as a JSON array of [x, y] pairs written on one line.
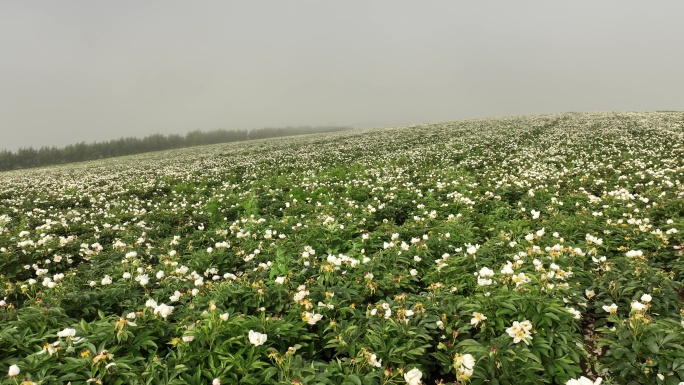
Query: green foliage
[[509, 251]]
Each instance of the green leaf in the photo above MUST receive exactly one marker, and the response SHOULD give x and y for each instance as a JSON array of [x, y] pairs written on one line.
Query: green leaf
[[354, 378], [652, 346]]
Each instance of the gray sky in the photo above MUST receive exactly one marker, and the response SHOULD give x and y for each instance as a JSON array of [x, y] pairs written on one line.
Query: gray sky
[[98, 70]]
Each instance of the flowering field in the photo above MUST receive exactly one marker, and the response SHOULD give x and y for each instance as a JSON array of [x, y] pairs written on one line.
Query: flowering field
[[541, 249]]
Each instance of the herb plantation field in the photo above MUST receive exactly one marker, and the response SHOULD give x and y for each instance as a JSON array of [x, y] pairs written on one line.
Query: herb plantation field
[[527, 250]]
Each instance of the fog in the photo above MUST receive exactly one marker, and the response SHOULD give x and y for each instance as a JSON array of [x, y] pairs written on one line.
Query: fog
[[88, 70]]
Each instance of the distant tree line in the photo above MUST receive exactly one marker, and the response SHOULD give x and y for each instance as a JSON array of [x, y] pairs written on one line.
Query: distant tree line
[[44, 156]]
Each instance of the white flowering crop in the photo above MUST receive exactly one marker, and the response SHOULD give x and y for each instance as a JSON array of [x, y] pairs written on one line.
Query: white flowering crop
[[454, 251]]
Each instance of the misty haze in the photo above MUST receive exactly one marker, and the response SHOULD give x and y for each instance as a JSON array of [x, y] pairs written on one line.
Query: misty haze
[[87, 71]]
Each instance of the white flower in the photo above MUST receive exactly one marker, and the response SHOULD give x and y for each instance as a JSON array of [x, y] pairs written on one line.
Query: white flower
[[507, 269], [130, 315], [13, 371], [468, 361], [465, 360], [280, 280], [612, 309], [477, 318], [584, 381], [176, 296], [216, 381], [300, 295], [520, 331], [589, 293], [151, 303], [256, 338], [163, 310], [638, 306], [374, 361], [126, 275], [634, 253], [107, 280], [311, 318], [483, 276], [519, 279], [646, 298], [464, 364], [188, 338], [143, 279], [413, 376], [224, 317], [67, 333], [577, 314], [413, 272], [464, 373]]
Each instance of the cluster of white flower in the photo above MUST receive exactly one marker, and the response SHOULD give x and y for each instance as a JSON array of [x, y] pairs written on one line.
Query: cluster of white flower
[[484, 276], [162, 310], [464, 364], [520, 331], [301, 295], [593, 240]]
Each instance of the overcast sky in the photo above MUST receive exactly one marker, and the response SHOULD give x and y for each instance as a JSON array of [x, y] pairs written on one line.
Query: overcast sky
[[97, 70]]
